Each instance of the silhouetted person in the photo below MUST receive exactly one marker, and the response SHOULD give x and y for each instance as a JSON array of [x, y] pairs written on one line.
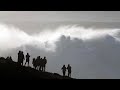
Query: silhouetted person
[[33, 62], [36, 63], [63, 70], [40, 64], [22, 58], [69, 70], [19, 57], [27, 59], [44, 64]]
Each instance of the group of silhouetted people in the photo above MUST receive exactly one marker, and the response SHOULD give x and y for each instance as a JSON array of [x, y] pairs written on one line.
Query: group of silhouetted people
[[39, 63], [64, 69], [21, 58]]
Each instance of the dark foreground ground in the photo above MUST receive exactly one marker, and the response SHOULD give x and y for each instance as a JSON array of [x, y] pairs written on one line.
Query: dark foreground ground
[[12, 71]]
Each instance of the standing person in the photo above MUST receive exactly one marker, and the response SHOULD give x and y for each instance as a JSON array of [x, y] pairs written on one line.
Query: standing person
[[41, 64], [33, 62], [69, 70], [22, 57], [19, 55], [63, 70], [44, 64], [38, 66], [27, 59]]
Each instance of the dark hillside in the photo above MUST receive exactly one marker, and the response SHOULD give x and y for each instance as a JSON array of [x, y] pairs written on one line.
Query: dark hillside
[[10, 70]]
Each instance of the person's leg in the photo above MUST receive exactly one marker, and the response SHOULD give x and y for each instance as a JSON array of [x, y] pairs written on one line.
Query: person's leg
[[28, 63], [45, 68], [36, 67], [63, 73], [39, 68], [70, 74], [25, 63], [22, 63]]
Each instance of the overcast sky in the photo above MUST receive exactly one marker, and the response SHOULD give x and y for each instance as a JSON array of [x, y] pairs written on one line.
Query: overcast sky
[[35, 21], [53, 16]]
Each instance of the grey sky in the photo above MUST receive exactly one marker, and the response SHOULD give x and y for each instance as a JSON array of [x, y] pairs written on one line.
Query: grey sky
[[53, 16], [35, 21]]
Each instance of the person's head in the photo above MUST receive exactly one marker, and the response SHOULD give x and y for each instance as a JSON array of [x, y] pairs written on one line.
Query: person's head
[[44, 57]]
